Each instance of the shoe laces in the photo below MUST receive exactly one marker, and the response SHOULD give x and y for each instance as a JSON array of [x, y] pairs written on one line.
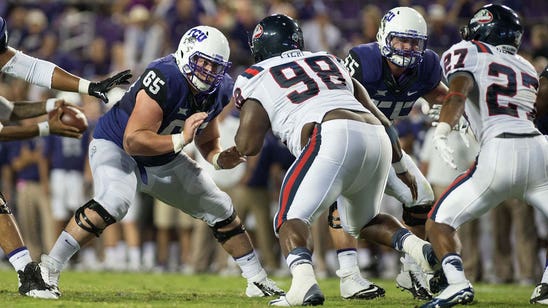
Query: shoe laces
[[268, 286]]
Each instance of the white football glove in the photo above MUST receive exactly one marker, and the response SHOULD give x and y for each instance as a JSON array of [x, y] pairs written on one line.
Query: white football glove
[[434, 113], [440, 143]]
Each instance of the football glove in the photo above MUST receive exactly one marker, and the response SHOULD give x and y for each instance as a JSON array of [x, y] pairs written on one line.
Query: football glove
[[99, 89], [440, 143]]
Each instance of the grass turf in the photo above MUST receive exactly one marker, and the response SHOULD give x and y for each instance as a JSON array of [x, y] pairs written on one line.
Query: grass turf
[[176, 290]]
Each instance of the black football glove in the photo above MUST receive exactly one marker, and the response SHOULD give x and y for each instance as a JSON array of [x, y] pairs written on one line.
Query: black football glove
[[99, 89]]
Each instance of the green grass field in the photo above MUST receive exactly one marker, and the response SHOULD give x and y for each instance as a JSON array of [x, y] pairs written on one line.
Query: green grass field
[[175, 290]]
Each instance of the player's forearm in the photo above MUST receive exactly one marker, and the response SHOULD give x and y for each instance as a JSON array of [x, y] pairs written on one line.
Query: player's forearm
[[147, 143], [8, 133], [209, 149], [65, 81], [25, 110]]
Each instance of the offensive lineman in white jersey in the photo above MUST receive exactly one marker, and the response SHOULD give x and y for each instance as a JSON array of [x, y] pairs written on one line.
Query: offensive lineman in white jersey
[[343, 152], [496, 89]]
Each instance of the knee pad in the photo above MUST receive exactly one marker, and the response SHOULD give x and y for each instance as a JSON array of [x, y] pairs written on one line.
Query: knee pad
[[333, 221], [416, 215], [4, 209], [89, 226], [223, 236]]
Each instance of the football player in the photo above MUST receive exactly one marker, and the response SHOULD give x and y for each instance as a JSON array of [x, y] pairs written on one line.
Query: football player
[[496, 89], [342, 147], [137, 146], [46, 74], [396, 71]]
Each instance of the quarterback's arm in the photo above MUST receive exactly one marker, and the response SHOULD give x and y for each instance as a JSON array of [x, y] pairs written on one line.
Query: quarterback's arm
[[49, 75], [140, 137], [254, 124]]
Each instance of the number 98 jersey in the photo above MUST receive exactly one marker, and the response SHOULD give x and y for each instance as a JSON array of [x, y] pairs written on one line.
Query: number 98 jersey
[[505, 91], [296, 88]]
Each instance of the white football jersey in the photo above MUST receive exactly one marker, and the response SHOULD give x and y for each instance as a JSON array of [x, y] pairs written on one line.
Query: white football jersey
[[505, 88], [296, 88]]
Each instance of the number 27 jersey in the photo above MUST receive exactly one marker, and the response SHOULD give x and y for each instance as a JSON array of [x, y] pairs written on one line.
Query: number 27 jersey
[[505, 91], [296, 88]]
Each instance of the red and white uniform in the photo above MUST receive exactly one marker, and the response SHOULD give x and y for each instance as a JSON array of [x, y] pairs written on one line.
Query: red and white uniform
[[344, 160], [513, 157]]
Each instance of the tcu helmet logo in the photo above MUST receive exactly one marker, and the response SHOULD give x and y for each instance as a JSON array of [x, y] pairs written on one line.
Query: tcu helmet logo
[[482, 17], [257, 32], [197, 34]]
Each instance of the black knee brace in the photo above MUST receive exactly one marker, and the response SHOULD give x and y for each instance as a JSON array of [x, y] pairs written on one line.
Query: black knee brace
[[409, 214], [4, 209], [223, 236], [99, 209], [333, 221]]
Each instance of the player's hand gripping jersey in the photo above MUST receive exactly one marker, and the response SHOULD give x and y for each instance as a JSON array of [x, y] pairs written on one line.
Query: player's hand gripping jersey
[[288, 86], [393, 97], [502, 101]]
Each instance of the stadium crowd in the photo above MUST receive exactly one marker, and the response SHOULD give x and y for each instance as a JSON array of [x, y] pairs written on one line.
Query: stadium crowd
[[93, 38]]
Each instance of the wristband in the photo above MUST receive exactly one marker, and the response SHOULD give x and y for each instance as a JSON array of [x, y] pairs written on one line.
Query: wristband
[[443, 129], [454, 93], [43, 129], [50, 104], [83, 86], [399, 167], [215, 161], [178, 142]]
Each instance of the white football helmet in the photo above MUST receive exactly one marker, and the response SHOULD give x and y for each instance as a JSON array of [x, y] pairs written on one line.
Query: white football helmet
[[209, 44], [409, 25]]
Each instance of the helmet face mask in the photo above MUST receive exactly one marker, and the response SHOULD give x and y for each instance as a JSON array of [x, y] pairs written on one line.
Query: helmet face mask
[[274, 35], [202, 57], [402, 37], [497, 25]]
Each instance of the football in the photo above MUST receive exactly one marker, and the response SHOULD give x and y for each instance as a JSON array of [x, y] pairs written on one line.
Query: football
[[74, 117]]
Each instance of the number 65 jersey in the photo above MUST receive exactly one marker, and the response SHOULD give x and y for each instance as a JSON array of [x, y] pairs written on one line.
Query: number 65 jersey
[[505, 88], [296, 88]]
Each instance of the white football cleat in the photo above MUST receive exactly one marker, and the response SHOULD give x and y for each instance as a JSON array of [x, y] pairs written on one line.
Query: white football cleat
[[540, 294], [455, 294], [260, 286], [312, 297], [412, 279], [51, 270], [31, 283], [354, 286]]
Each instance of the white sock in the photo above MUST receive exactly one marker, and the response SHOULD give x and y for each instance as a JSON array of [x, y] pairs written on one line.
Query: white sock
[[249, 264], [64, 248], [453, 269], [20, 258], [348, 260]]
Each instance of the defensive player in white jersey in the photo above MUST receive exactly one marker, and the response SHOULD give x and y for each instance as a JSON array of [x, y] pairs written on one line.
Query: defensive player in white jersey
[[343, 150], [43, 73], [496, 89], [137, 147]]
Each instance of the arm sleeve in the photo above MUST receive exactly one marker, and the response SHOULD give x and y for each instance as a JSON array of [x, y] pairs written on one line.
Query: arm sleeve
[[32, 70]]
